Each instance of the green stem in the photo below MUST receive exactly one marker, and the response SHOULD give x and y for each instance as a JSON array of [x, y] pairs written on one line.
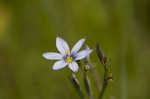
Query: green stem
[[104, 84], [76, 84], [88, 85]]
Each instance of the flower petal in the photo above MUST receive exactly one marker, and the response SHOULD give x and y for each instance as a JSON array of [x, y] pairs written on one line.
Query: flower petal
[[52, 56], [73, 66], [61, 45], [77, 46], [59, 65], [82, 54]]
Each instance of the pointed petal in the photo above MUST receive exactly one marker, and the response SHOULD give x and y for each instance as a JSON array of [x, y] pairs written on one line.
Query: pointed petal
[[73, 66], [82, 54], [77, 46], [59, 65], [52, 56], [61, 45]]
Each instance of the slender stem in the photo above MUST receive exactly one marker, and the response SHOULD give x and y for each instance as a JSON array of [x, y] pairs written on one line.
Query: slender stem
[[94, 73], [76, 84], [104, 84], [103, 90], [107, 72], [88, 85]]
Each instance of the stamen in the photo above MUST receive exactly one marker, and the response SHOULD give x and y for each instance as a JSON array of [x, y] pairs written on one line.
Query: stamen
[[68, 51], [69, 59]]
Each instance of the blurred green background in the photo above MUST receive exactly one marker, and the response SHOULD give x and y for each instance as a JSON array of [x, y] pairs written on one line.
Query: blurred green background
[[29, 28]]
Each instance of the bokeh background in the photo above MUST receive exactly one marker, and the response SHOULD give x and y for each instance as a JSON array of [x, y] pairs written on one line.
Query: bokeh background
[[29, 28]]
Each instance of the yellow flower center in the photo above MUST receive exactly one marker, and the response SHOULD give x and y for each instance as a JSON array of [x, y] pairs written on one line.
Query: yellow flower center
[[69, 59], [68, 51]]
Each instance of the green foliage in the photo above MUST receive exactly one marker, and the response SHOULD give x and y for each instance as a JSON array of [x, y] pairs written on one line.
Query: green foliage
[[29, 27]]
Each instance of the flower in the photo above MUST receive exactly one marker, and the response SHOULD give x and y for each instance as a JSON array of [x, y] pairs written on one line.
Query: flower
[[67, 57]]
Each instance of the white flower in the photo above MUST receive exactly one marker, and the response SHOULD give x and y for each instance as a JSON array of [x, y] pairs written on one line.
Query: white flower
[[67, 57]]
